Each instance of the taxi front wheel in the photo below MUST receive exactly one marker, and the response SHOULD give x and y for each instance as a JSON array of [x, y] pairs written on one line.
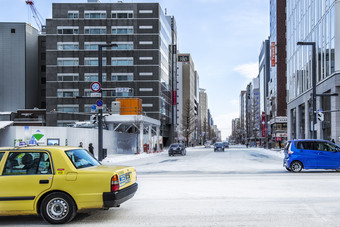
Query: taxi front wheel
[[58, 208]]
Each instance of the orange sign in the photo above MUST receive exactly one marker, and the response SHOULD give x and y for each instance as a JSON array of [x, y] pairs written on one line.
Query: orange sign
[[273, 54]]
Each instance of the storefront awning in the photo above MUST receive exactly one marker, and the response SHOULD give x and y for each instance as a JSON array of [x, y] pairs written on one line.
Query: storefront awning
[[4, 124]]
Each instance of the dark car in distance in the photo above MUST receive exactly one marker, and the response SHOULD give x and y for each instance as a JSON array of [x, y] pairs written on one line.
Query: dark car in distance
[[226, 144], [177, 148], [218, 146]]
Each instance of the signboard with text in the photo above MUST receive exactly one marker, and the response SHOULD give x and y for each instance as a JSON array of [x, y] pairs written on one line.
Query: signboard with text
[[183, 58], [273, 54]]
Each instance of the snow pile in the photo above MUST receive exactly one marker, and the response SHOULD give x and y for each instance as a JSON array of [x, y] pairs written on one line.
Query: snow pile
[[118, 158]]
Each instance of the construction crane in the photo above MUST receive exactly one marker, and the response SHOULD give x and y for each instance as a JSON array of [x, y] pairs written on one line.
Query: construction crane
[[36, 15]]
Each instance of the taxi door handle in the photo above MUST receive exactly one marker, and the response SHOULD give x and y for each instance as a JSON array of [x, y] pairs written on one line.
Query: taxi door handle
[[43, 181]]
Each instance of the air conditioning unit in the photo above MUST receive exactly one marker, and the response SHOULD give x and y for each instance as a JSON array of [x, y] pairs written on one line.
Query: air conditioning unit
[[115, 107]]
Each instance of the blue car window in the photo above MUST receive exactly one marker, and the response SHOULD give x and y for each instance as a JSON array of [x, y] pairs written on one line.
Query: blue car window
[[324, 146], [306, 145]]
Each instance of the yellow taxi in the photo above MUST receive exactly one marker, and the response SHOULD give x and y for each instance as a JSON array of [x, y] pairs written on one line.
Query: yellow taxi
[[57, 182]]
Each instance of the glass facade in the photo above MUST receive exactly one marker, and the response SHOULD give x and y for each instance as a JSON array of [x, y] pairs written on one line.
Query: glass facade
[[309, 21]]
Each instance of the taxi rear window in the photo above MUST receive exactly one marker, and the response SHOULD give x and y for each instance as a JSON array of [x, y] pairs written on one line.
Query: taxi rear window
[[1, 155], [81, 158]]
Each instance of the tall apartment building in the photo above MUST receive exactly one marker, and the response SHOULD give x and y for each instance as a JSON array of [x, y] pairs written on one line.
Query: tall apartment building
[[277, 111], [203, 113], [19, 79], [319, 22], [141, 65], [255, 109], [188, 101], [243, 115], [265, 105]]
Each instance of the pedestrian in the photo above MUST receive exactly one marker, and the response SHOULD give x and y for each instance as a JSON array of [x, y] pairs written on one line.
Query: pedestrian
[[91, 149], [81, 144]]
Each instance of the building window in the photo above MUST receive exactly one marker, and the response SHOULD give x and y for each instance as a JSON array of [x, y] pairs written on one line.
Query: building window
[[145, 42], [123, 46], [73, 14], [145, 89], [145, 58], [147, 105], [68, 30], [121, 30], [95, 14], [145, 74], [121, 61], [68, 108], [122, 14], [43, 68], [122, 77], [91, 77], [68, 62], [68, 77], [145, 11], [93, 46], [122, 92], [93, 61], [68, 93], [145, 27], [95, 30], [67, 46], [13, 30]]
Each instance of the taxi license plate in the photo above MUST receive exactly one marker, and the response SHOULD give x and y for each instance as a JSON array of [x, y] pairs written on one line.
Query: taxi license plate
[[127, 177]]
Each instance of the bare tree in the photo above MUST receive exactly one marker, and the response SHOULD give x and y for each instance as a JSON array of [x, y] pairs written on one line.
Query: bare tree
[[188, 120], [205, 130]]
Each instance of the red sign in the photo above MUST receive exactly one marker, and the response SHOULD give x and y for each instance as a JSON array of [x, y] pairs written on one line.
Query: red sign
[[263, 124], [273, 54], [95, 86], [174, 98]]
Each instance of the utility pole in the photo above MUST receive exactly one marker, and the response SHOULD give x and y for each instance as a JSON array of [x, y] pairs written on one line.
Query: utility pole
[[100, 115]]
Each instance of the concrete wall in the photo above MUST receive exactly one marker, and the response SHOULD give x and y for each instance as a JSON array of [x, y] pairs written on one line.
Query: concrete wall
[[114, 142], [12, 66]]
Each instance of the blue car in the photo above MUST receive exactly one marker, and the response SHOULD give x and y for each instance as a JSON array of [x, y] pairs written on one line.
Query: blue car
[[311, 154], [218, 146]]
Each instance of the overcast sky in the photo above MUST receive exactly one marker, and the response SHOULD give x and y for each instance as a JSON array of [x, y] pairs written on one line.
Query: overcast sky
[[223, 37]]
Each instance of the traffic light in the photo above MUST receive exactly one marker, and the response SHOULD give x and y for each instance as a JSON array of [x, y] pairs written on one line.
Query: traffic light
[[320, 116], [93, 119]]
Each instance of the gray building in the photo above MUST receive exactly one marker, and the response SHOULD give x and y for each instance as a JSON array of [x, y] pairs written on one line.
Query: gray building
[[277, 113], [243, 126], [19, 78], [140, 66], [203, 114], [187, 91], [265, 105], [319, 22]]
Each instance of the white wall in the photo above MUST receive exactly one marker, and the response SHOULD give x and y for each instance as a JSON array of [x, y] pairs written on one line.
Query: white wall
[[68, 137]]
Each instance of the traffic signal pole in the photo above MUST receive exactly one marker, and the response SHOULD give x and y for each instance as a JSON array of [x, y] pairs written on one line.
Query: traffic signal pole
[[100, 115]]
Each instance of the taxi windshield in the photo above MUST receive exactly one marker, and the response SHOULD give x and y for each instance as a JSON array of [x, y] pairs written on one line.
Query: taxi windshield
[[81, 158]]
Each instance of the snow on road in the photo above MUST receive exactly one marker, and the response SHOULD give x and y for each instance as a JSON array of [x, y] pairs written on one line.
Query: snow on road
[[236, 159]]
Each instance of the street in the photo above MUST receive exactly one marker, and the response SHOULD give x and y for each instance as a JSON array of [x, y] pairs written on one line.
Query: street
[[238, 187]]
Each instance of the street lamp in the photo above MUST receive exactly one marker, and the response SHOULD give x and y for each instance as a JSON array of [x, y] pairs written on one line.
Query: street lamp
[[100, 116], [313, 44]]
